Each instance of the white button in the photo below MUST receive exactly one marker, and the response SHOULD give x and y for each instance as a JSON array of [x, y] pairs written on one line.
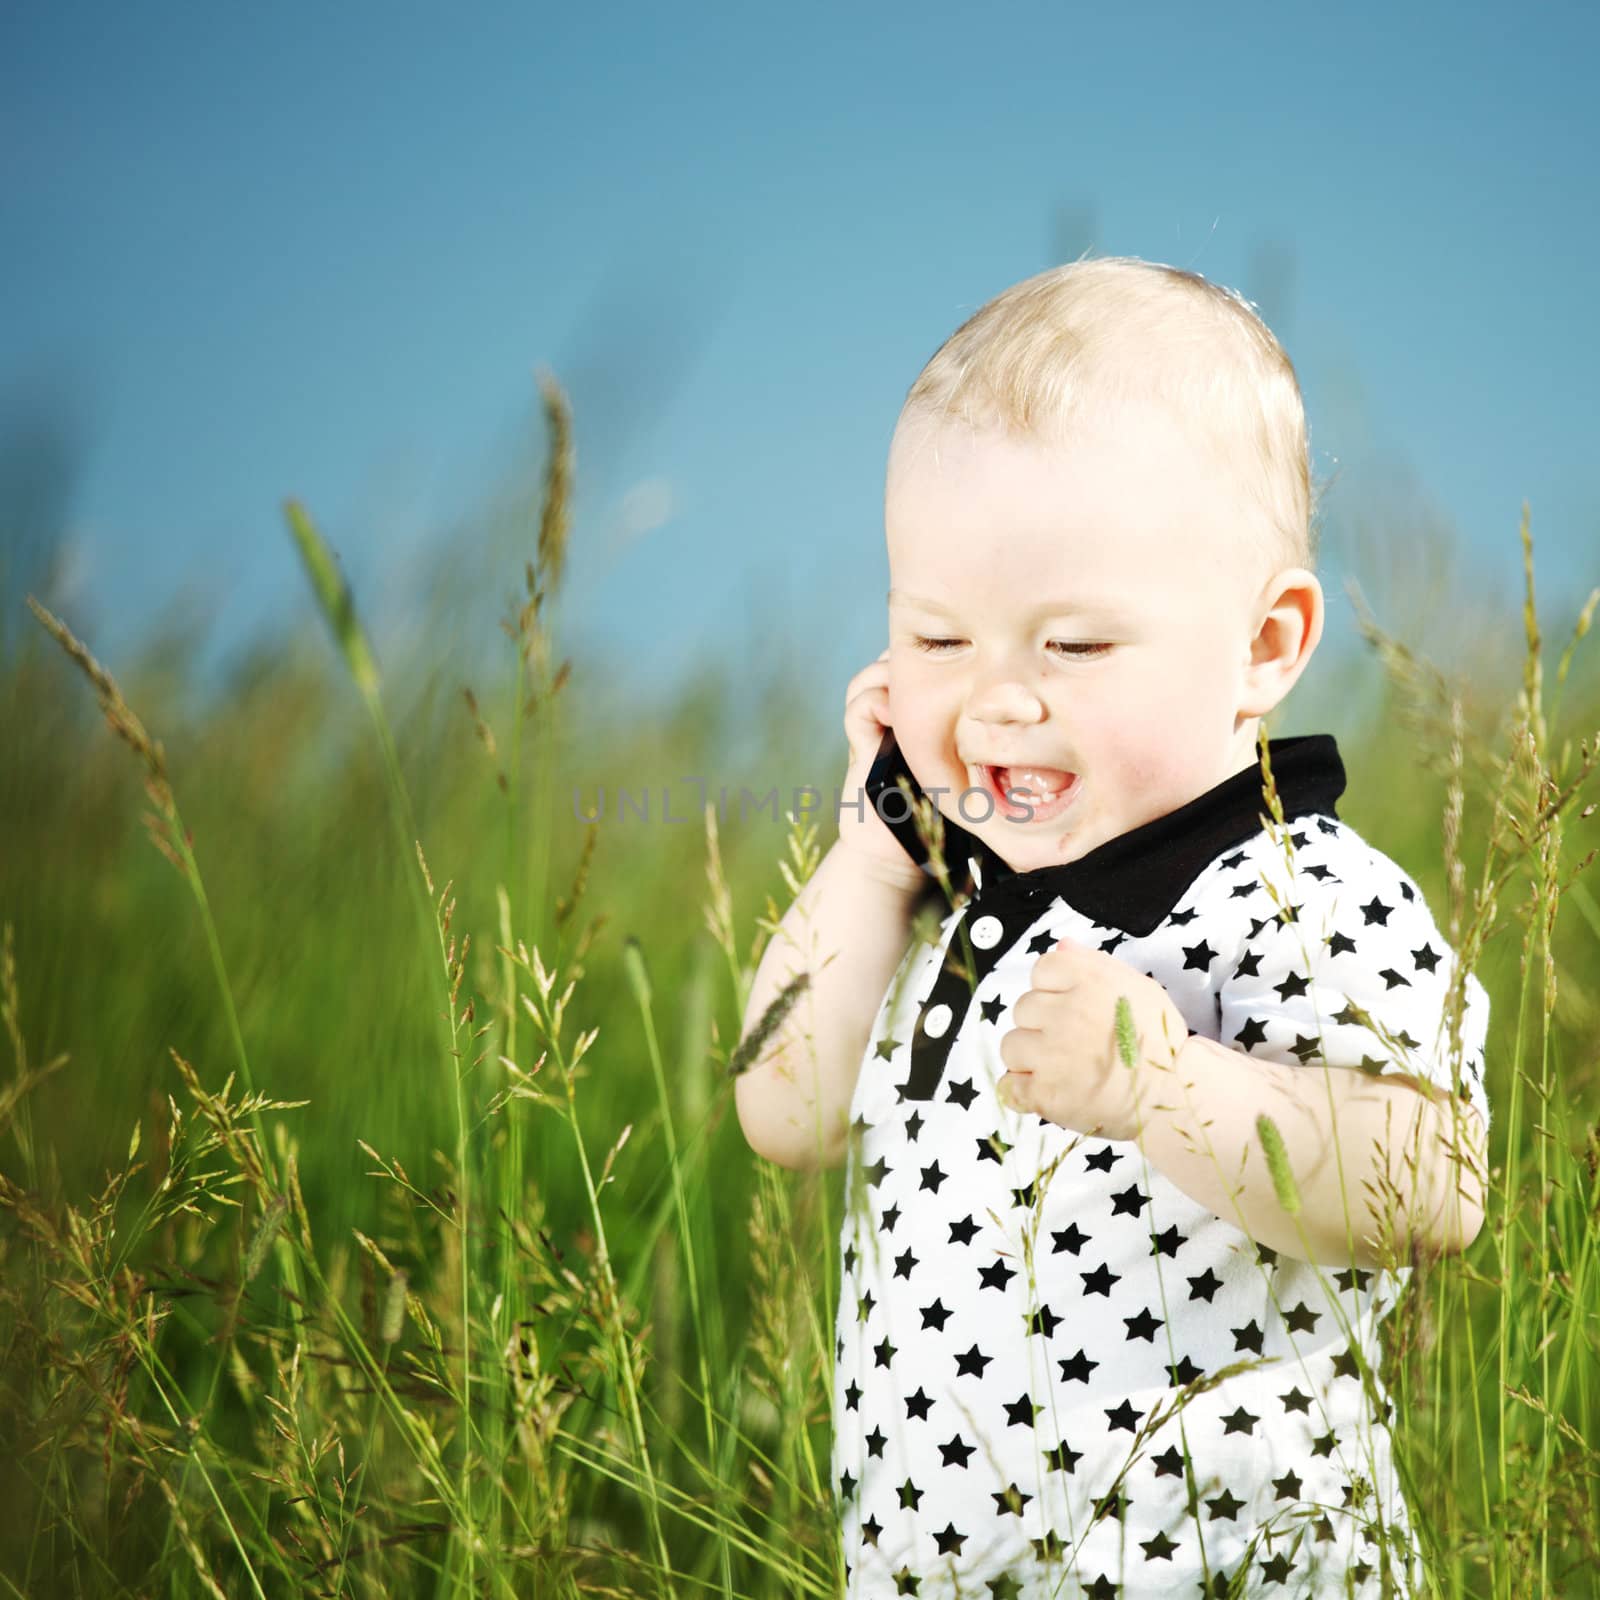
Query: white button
[[986, 932], [936, 1021]]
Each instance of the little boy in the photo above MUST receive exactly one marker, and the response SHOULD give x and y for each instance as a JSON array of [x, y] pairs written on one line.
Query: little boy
[[1088, 1342]]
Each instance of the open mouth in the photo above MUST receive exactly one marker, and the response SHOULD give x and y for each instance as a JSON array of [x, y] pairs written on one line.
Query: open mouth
[[1037, 793]]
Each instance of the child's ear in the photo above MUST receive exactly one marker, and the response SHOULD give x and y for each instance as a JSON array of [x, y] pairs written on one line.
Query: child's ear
[[1289, 627]]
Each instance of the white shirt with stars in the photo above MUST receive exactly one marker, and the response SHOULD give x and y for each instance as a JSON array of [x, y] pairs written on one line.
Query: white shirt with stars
[[1027, 1314]]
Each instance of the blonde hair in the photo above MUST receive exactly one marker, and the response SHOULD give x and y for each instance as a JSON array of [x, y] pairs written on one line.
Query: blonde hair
[[1067, 347]]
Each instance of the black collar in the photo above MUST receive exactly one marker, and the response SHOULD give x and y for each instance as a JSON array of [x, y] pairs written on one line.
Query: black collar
[[1133, 881]]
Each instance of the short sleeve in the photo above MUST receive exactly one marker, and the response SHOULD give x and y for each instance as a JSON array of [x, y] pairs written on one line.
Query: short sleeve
[[1348, 966]]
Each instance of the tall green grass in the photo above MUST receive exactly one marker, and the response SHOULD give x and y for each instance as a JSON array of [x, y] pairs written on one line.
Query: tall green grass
[[374, 1221]]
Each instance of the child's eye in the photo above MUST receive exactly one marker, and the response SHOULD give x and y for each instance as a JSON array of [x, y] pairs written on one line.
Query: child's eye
[[1067, 647]]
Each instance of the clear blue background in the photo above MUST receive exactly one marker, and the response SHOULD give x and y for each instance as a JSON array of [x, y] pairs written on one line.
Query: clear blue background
[[318, 250]]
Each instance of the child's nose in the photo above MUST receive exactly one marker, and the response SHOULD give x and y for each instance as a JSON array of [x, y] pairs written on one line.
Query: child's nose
[[1004, 699]]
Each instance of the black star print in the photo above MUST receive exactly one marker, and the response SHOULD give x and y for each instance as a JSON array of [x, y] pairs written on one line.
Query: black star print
[[1101, 1160], [1204, 1286], [1306, 1046], [870, 1529], [875, 1173], [850, 1258], [1179, 918], [1108, 1505], [932, 1177], [962, 1094], [1102, 1588], [1184, 1371], [1005, 1587], [1226, 1507], [1297, 1400], [1323, 1445], [1108, 945], [883, 1353], [1143, 1325], [847, 1486], [1021, 1412], [935, 1316], [886, 1048], [955, 1453], [1321, 873], [964, 1231], [1393, 979], [996, 1275], [1044, 1321], [864, 1306], [1240, 1421], [1302, 1319], [1062, 1457], [917, 1405], [913, 1125], [1287, 1487], [1243, 891], [1199, 956], [1376, 911], [1166, 1242], [852, 1395], [1341, 944], [910, 1494], [1249, 965], [1049, 1548], [1292, 985], [1169, 1464], [992, 1009], [1252, 1033], [1078, 1366], [1123, 1416], [903, 1263], [993, 1149], [1100, 1280], [950, 1542], [1276, 1569], [1426, 958], [1159, 1548], [1235, 860], [1011, 1499], [876, 1440], [1129, 1201], [890, 1217], [1071, 1237], [1248, 1337], [973, 1361], [1026, 1195]]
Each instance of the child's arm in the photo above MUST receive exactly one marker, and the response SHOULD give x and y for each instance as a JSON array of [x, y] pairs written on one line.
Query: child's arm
[[1358, 1146], [848, 928], [1394, 1134]]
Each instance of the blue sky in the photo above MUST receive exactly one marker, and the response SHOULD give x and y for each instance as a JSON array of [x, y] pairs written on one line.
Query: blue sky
[[314, 250]]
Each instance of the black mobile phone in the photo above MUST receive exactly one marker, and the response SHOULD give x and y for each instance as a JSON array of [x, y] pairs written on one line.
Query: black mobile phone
[[894, 810]]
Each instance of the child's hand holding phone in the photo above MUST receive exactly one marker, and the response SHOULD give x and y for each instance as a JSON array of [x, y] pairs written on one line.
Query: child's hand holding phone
[[862, 832]]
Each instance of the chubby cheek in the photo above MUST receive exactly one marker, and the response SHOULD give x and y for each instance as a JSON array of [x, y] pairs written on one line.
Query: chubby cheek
[[923, 727]]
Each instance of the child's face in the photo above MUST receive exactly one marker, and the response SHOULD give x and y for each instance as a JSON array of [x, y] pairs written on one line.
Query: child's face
[[1093, 612]]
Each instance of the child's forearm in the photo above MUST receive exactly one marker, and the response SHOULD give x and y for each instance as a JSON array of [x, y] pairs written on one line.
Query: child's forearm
[[848, 929], [1398, 1151]]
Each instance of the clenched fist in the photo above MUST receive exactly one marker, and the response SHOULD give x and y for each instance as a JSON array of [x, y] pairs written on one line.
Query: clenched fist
[[1062, 1057]]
